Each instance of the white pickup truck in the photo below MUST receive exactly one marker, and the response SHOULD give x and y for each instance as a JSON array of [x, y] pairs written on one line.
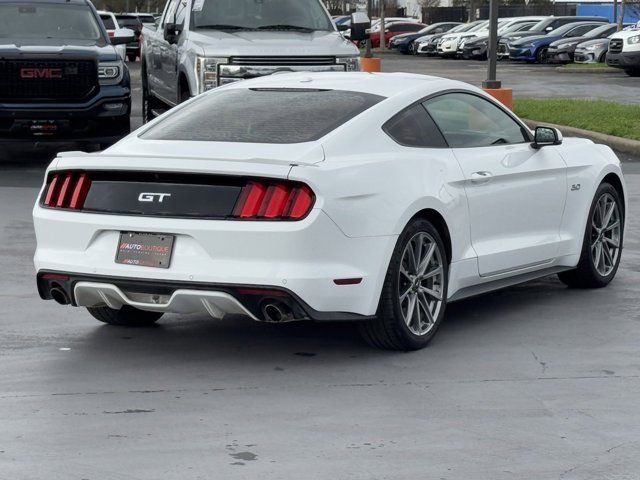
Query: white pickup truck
[[198, 45], [624, 50]]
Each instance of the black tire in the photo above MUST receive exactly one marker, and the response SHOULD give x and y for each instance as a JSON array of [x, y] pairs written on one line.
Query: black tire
[[149, 102], [125, 317], [389, 331], [185, 93], [633, 73], [132, 57], [541, 55], [586, 275]]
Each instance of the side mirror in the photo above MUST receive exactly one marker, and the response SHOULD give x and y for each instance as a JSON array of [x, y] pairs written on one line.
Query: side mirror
[[123, 35], [360, 24], [545, 136], [172, 32], [342, 27]]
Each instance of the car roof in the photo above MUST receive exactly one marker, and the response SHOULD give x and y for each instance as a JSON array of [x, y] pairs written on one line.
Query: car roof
[[384, 84]]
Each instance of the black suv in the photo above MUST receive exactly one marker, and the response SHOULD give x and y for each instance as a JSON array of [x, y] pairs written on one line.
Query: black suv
[[60, 76]]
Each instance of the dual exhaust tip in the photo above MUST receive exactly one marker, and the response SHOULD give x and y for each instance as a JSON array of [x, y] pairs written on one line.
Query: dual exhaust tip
[[60, 296], [277, 312]]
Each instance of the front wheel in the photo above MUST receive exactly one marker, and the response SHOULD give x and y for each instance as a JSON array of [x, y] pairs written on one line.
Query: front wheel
[[413, 299], [125, 317], [602, 244], [541, 55]]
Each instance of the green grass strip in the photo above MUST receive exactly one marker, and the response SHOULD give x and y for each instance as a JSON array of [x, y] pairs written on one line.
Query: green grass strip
[[611, 118]]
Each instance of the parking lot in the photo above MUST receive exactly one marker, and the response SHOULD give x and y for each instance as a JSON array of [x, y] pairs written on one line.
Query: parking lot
[[533, 382]]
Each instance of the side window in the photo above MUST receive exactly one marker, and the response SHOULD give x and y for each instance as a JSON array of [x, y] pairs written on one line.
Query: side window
[[467, 120], [413, 127], [414, 28], [394, 28]]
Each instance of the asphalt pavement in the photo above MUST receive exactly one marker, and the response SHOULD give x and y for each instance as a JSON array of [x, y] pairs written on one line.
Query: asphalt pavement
[[533, 382]]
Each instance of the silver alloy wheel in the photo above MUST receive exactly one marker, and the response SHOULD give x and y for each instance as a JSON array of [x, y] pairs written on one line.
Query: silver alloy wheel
[[420, 283], [605, 234]]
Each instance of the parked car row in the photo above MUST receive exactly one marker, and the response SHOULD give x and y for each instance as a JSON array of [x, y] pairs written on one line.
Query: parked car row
[[530, 39], [132, 21]]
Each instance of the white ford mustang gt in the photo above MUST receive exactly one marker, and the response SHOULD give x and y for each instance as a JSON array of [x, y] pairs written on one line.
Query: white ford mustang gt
[[376, 198]]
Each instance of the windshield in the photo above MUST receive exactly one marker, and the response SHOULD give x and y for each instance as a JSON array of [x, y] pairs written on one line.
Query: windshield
[[600, 31], [260, 15], [129, 22], [460, 28], [262, 115], [50, 21], [560, 31], [523, 27], [479, 26]]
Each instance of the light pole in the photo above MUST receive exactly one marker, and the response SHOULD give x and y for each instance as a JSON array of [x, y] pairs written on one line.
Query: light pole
[[367, 51], [492, 48]]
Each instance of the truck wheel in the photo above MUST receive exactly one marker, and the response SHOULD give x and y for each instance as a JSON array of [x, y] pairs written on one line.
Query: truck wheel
[[125, 317], [149, 103], [633, 73]]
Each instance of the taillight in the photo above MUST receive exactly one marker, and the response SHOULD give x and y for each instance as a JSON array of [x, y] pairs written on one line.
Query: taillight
[[67, 190], [261, 200]]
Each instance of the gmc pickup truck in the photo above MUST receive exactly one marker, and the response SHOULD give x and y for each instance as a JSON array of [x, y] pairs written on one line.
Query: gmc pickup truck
[[60, 76], [198, 45]]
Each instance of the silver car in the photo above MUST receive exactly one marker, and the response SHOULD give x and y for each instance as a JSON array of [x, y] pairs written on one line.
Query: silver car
[[591, 51]]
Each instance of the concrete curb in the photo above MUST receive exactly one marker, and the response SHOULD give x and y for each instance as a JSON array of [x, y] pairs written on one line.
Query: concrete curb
[[624, 145], [588, 70]]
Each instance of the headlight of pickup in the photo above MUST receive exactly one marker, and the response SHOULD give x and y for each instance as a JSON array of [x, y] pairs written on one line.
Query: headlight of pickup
[[351, 64], [110, 73], [207, 72], [633, 40]]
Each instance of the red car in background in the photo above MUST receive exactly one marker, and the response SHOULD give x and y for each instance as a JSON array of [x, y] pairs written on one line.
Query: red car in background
[[394, 29]]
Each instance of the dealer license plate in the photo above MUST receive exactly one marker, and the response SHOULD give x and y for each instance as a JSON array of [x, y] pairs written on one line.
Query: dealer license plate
[[145, 249]]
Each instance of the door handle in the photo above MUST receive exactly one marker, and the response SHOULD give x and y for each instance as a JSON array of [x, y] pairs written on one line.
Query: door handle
[[481, 177]]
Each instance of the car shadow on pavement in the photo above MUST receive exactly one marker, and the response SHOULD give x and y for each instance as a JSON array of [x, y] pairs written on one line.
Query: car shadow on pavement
[[199, 338]]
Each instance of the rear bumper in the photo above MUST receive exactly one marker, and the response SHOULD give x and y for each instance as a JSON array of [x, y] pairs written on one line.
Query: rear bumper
[[217, 300], [303, 257], [101, 119], [624, 60]]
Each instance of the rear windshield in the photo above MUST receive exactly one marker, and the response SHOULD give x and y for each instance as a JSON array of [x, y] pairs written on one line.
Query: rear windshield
[[263, 115], [108, 22], [48, 21], [146, 18], [128, 22]]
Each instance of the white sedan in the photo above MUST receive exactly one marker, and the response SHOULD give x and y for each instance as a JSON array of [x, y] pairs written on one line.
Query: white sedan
[[375, 198]]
